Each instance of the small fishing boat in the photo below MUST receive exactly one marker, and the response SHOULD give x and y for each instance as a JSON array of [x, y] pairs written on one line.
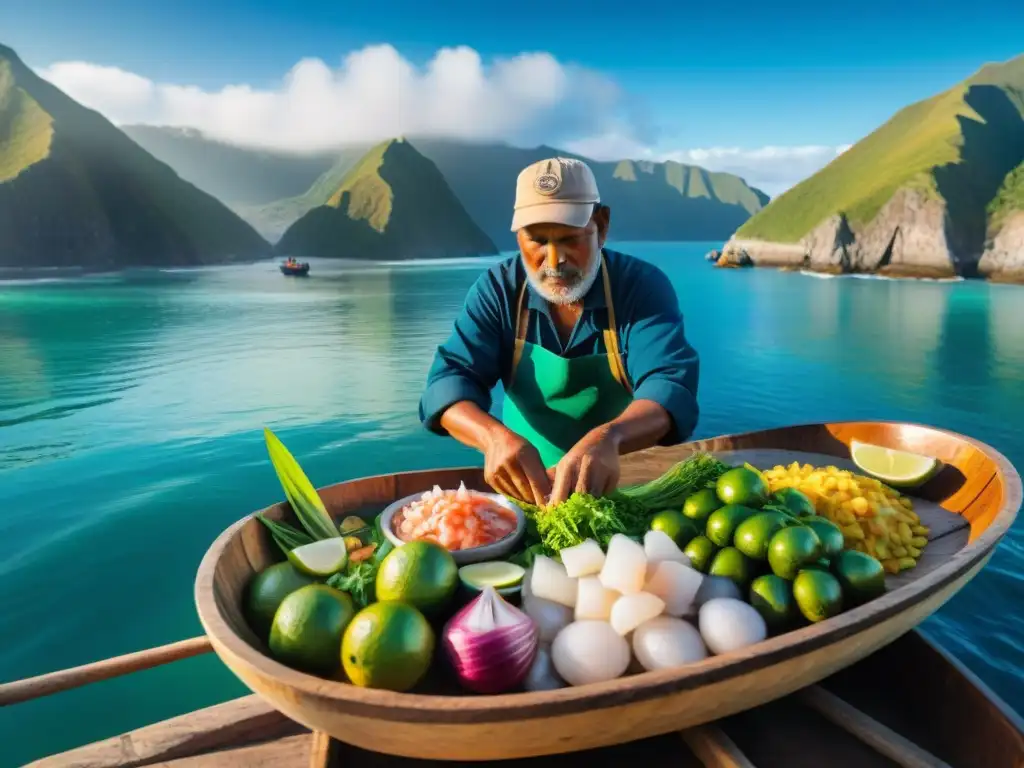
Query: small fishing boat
[[862, 688], [295, 268]]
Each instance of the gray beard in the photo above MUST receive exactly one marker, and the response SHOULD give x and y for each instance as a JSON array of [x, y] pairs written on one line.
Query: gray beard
[[569, 295]]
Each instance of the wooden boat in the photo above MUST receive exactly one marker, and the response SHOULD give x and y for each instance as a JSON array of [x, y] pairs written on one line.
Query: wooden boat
[[295, 270], [921, 708], [754, 696]]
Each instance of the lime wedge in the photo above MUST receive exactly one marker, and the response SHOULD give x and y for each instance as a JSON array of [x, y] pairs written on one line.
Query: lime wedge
[[321, 558], [496, 573], [897, 468]]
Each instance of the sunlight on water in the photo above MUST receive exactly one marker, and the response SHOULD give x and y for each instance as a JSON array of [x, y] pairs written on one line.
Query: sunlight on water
[[132, 408]]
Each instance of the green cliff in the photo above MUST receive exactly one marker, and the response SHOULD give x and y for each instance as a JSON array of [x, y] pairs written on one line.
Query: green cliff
[[926, 193], [392, 204], [77, 192]]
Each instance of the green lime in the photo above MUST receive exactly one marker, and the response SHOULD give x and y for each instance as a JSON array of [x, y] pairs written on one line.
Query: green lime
[[861, 576], [700, 551], [900, 469], [679, 528], [266, 591], [420, 573], [772, 597], [795, 501], [828, 533], [754, 533], [699, 505], [722, 523], [742, 486], [495, 573], [733, 564], [818, 594], [791, 549], [307, 629], [387, 645], [321, 558]]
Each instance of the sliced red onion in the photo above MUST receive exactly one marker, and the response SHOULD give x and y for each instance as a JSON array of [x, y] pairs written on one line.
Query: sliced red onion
[[491, 644]]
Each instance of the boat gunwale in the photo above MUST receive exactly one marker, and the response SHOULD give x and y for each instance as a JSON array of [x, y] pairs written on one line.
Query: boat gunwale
[[432, 708]]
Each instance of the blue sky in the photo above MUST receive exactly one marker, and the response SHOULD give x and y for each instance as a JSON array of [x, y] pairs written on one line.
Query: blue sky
[[741, 75]]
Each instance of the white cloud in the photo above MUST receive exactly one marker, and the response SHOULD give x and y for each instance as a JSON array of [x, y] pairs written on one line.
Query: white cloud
[[374, 94]]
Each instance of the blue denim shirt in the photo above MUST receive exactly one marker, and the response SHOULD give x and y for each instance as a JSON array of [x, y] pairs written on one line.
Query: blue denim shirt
[[660, 363]]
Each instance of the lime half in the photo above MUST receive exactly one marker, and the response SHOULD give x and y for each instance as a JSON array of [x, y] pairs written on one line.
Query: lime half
[[495, 573], [321, 558], [897, 468]]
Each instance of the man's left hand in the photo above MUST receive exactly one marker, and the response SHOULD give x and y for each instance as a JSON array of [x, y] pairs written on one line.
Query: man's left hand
[[592, 466]]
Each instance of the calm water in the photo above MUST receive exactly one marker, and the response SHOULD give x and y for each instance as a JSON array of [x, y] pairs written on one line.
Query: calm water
[[131, 411]]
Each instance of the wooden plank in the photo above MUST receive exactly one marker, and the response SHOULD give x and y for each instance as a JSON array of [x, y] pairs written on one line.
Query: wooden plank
[[289, 752], [324, 752], [65, 679], [235, 723], [880, 738], [714, 749]]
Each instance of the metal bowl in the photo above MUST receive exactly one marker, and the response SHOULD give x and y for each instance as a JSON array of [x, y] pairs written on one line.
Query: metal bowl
[[494, 551]]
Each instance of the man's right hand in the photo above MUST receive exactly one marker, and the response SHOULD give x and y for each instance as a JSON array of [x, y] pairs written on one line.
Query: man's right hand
[[513, 467]]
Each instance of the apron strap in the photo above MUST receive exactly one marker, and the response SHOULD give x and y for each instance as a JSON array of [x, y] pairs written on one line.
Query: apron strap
[[611, 334]]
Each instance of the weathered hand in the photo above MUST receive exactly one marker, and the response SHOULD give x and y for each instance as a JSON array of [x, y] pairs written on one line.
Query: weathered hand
[[513, 467], [592, 466]]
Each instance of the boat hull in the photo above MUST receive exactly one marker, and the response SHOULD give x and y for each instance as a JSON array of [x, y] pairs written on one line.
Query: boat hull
[[574, 719]]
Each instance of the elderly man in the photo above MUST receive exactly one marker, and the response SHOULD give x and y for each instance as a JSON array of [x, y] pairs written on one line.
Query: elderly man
[[587, 342]]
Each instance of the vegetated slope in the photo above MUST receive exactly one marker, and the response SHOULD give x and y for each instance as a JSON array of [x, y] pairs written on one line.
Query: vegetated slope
[[916, 194], [649, 201], [393, 204], [77, 192], [237, 176]]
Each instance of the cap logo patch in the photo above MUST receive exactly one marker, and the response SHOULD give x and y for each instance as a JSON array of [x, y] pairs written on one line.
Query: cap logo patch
[[547, 184]]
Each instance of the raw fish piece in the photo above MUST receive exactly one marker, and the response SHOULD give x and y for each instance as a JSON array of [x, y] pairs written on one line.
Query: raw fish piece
[[593, 599], [584, 559], [630, 611], [549, 580], [676, 584], [625, 565], [659, 546]]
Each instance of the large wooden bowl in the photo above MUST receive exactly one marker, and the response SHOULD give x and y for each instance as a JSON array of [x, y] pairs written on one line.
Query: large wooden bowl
[[969, 506]]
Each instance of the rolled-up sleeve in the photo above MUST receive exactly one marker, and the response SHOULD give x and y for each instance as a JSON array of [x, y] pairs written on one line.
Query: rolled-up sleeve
[[467, 365], [662, 365]]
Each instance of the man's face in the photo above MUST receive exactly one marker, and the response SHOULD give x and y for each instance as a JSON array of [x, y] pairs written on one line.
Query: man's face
[[562, 262]]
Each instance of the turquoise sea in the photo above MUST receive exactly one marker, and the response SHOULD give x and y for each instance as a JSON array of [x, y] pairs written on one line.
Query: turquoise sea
[[132, 408]]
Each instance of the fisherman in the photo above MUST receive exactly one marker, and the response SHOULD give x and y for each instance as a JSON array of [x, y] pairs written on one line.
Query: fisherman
[[588, 344]]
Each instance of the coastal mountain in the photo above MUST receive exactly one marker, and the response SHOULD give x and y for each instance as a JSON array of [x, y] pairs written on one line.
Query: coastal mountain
[[392, 204], [938, 190], [77, 192], [650, 201]]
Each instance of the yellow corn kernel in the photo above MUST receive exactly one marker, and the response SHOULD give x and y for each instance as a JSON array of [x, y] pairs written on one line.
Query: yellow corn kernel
[[919, 541], [870, 548], [907, 563], [853, 532], [902, 517], [875, 528], [841, 496], [882, 550], [920, 530], [843, 484], [844, 517], [830, 484], [905, 535], [900, 551], [891, 565], [807, 469], [914, 552], [860, 505], [906, 501]]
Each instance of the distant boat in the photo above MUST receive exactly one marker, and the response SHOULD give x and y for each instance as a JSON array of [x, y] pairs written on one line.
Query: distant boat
[[295, 269]]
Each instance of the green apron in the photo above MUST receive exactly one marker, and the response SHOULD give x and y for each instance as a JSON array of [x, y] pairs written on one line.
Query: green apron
[[553, 401]]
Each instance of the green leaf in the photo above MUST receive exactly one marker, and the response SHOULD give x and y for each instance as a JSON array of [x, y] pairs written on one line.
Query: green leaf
[[301, 494]]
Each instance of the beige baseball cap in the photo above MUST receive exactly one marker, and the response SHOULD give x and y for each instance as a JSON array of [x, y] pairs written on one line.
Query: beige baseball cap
[[556, 191]]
